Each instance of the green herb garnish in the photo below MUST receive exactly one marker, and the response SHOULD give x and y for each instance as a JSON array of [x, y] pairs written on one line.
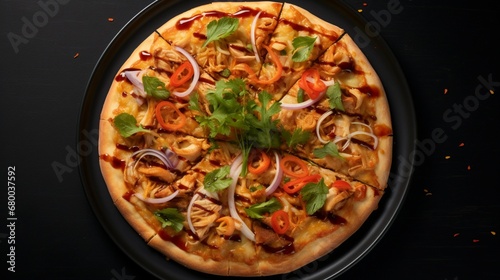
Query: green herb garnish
[[217, 179], [334, 94], [219, 29], [329, 149], [127, 125], [257, 211], [154, 87], [302, 48], [314, 194], [170, 217]]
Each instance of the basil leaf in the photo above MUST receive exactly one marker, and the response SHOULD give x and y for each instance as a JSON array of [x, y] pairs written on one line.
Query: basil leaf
[[170, 217], [154, 87], [334, 94], [219, 29], [127, 125], [314, 194], [302, 48]]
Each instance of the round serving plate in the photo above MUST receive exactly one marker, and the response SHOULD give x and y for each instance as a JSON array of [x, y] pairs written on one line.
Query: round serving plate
[[327, 267]]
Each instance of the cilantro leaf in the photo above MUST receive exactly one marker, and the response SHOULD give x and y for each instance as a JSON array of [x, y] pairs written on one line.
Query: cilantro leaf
[[314, 194], [334, 94], [170, 217], [297, 137], [264, 132], [329, 149], [154, 87], [127, 125], [219, 29], [302, 48], [217, 179], [257, 211]]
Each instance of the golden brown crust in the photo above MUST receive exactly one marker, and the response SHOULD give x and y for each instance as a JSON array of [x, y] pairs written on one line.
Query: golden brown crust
[[313, 236]]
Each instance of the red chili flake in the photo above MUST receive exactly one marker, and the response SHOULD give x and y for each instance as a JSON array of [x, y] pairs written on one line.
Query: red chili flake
[[365, 4], [461, 144], [445, 91], [468, 167], [76, 55], [110, 19], [456, 234], [475, 240]]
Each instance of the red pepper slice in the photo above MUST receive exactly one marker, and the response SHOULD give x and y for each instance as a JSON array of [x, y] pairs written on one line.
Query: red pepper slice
[[179, 77], [296, 185], [314, 88], [341, 185], [290, 163], [280, 222]]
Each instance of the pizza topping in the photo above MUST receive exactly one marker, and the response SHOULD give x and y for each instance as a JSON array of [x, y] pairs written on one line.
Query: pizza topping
[[277, 177], [294, 167], [170, 217], [217, 179], [280, 222], [258, 210], [252, 36], [329, 149], [203, 210], [178, 119], [182, 74], [196, 73], [258, 165], [334, 97], [279, 69], [133, 77], [302, 48], [169, 159], [154, 87], [293, 186], [156, 200], [226, 226], [314, 194], [302, 105], [127, 125], [311, 83], [235, 171], [219, 29]]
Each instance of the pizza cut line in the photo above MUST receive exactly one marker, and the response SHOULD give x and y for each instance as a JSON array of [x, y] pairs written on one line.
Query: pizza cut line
[[246, 138]]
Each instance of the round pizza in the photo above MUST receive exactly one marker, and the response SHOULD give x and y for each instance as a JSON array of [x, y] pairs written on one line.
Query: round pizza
[[246, 138]]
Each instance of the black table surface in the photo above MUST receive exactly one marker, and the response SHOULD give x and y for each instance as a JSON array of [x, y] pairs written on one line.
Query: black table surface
[[447, 228]]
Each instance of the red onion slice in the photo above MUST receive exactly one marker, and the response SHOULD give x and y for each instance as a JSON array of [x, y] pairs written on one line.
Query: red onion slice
[[156, 200], [235, 171], [302, 105], [252, 32], [277, 178], [135, 77]]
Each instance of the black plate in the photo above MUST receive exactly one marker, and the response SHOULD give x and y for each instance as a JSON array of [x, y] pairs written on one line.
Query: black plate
[[333, 264]]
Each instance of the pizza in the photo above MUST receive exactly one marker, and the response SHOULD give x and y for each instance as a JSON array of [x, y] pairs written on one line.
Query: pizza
[[246, 138]]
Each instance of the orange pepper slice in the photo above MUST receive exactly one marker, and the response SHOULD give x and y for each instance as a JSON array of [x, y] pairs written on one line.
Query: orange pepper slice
[[181, 119]]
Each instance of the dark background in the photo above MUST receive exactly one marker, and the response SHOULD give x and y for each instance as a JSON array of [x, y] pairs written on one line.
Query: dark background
[[447, 228]]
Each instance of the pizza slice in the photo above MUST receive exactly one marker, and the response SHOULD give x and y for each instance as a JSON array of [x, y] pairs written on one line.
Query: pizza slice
[[225, 38], [342, 103], [298, 40]]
